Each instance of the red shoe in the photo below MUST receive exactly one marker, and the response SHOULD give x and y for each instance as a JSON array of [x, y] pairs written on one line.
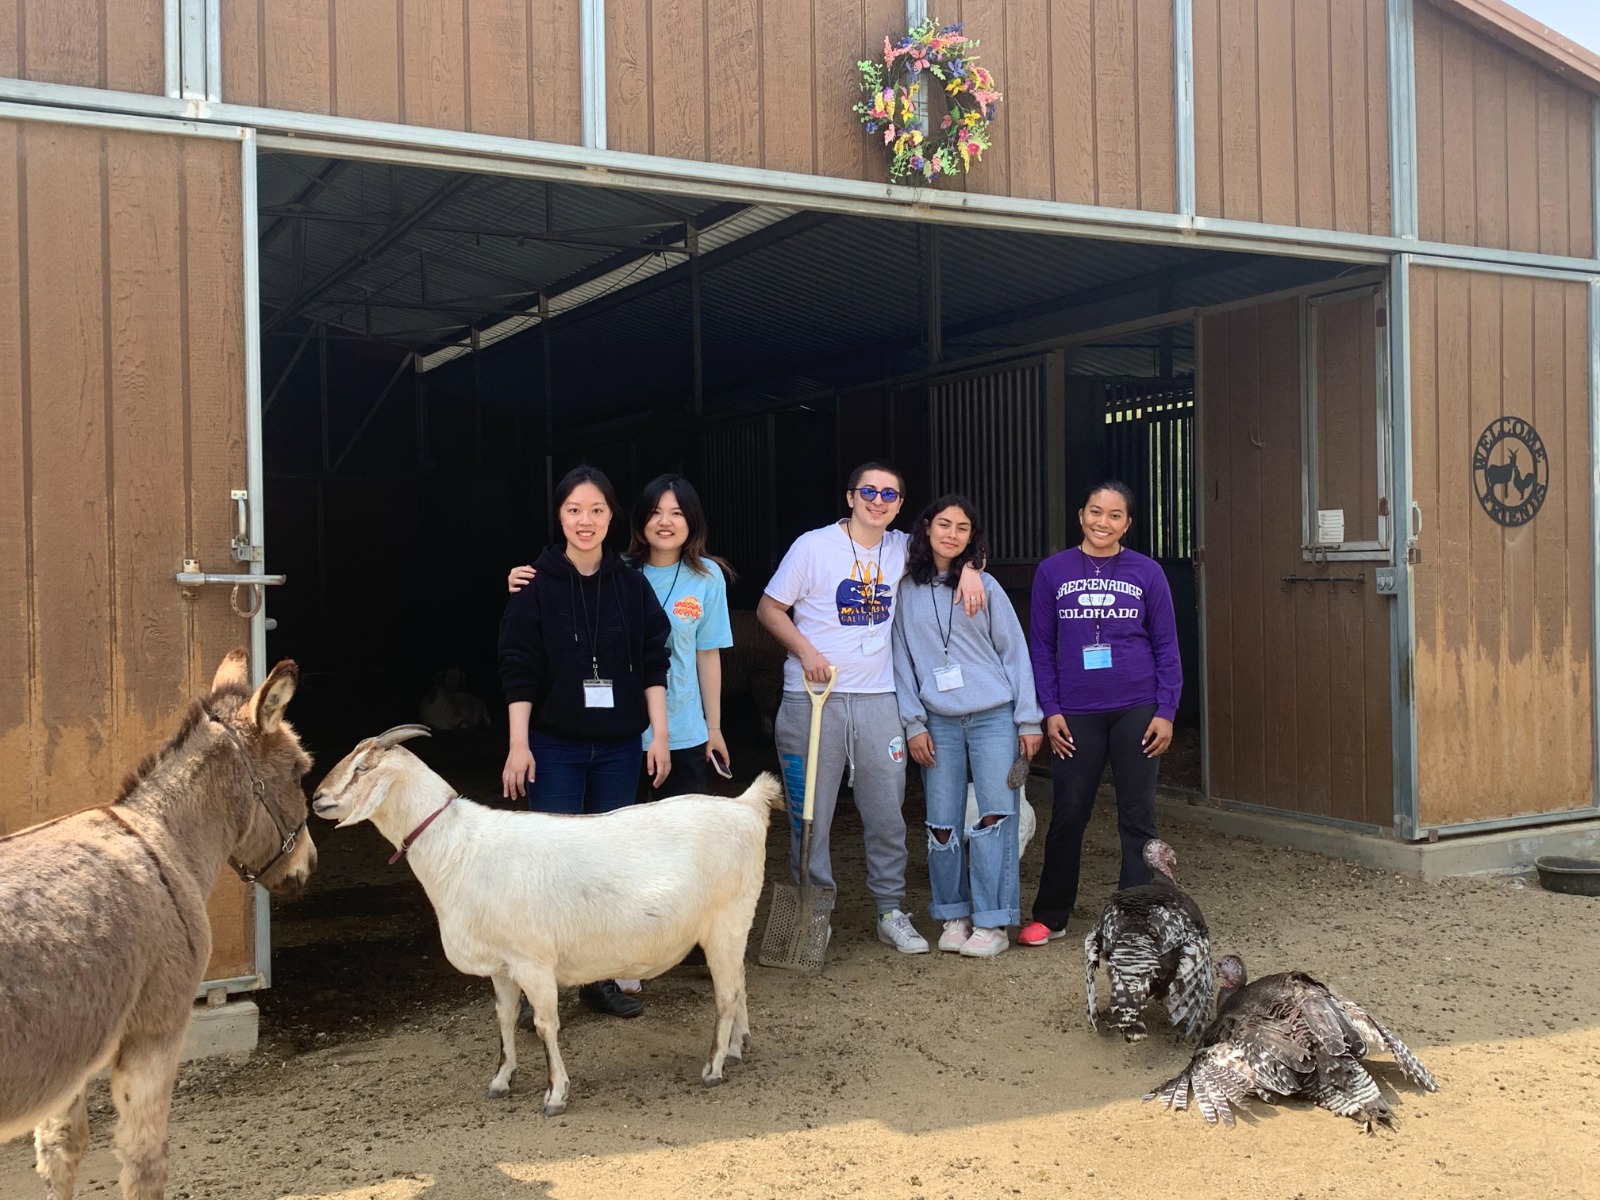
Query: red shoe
[[1037, 933]]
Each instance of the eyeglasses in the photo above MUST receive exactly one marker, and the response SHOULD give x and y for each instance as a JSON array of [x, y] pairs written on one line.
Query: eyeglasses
[[887, 495]]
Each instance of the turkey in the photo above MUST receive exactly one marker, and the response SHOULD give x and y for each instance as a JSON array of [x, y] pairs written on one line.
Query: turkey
[[1153, 942], [1288, 1035]]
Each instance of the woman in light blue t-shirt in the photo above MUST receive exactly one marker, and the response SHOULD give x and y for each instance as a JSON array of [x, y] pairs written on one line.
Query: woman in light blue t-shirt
[[669, 545]]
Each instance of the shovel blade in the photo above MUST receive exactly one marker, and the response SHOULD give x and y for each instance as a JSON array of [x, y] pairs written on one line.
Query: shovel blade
[[798, 928]]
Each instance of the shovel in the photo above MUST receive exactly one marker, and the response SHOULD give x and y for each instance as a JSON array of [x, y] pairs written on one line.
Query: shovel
[[798, 921]]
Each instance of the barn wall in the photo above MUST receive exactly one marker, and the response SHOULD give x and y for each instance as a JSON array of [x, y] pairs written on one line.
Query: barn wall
[[1087, 118], [1503, 147], [1503, 614], [115, 44], [121, 432], [505, 67], [1297, 676], [1291, 112]]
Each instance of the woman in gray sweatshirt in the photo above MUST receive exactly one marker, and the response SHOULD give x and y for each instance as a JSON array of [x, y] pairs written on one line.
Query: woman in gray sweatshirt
[[965, 688]]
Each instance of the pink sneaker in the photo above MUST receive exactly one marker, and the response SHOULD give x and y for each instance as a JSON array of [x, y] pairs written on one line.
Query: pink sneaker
[[955, 935], [986, 943], [1037, 933]]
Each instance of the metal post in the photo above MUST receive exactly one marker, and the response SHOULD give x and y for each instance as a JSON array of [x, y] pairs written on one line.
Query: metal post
[[1594, 514], [192, 42], [255, 479], [592, 70], [1402, 119], [477, 402], [549, 418], [1594, 184], [1183, 103], [172, 47], [933, 315], [1402, 614], [213, 50], [696, 365]]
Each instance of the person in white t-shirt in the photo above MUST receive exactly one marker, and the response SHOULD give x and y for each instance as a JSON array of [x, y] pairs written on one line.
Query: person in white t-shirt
[[839, 583]]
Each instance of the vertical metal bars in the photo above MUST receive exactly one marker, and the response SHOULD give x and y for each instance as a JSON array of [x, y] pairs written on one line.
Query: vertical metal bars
[[1183, 103], [1402, 119], [1402, 614], [592, 71]]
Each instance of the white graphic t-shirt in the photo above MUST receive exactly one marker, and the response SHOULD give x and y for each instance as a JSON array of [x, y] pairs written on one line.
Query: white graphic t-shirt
[[843, 599]]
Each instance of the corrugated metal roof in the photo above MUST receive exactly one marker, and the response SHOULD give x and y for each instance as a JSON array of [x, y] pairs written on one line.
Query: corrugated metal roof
[[793, 306]]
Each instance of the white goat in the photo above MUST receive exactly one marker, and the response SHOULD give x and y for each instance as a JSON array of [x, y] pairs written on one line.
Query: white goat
[[536, 900]]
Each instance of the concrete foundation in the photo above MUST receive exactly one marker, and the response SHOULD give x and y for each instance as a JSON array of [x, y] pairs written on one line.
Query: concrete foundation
[[1469, 854], [230, 1028]]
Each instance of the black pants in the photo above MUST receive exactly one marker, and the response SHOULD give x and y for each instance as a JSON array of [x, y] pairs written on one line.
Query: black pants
[[689, 775], [1097, 736]]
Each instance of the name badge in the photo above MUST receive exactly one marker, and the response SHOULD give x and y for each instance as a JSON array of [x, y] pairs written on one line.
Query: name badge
[[871, 643], [597, 694], [948, 679], [1097, 658]]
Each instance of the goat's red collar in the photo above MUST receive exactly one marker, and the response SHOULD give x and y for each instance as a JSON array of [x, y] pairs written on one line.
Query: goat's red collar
[[405, 842]]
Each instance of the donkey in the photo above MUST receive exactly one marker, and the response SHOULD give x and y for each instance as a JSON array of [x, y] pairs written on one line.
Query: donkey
[[106, 936]]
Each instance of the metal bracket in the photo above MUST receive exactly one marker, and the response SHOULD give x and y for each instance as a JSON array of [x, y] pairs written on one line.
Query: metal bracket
[[243, 551], [192, 577]]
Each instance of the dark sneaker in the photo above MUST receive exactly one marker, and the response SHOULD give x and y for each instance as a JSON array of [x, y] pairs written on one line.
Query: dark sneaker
[[606, 997]]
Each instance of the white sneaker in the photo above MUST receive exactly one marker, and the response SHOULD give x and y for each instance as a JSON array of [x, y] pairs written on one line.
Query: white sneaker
[[986, 943], [896, 929], [956, 932]]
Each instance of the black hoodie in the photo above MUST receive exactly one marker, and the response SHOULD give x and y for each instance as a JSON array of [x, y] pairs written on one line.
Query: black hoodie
[[555, 628]]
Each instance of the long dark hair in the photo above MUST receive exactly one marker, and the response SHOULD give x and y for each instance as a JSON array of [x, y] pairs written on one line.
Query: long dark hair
[[919, 557], [694, 516], [1110, 485]]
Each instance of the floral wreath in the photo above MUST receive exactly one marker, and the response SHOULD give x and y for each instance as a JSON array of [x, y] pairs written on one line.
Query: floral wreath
[[893, 88]]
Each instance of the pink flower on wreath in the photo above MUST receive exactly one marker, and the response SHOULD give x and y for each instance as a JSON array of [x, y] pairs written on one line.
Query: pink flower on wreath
[[888, 135], [986, 97], [945, 122], [974, 149]]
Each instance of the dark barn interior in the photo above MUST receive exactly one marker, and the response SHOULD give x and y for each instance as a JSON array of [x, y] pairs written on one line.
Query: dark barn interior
[[439, 347]]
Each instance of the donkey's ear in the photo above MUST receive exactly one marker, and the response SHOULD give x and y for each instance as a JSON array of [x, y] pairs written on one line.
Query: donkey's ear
[[234, 670], [267, 705]]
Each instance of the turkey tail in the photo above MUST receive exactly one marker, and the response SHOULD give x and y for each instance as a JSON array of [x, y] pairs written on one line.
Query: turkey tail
[[1132, 965], [1342, 1086], [1091, 965], [1216, 1079]]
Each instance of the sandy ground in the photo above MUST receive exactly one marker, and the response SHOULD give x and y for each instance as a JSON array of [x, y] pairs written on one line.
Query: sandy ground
[[890, 1076]]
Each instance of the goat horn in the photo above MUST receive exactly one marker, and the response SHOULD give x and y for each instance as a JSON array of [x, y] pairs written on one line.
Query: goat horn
[[400, 733]]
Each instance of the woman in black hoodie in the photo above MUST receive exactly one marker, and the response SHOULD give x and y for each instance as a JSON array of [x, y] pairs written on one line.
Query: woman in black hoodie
[[583, 661]]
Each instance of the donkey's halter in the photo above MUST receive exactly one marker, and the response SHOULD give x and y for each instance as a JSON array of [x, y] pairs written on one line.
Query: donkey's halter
[[258, 788]]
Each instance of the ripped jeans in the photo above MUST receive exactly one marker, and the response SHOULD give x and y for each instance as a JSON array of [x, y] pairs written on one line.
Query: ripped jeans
[[978, 879]]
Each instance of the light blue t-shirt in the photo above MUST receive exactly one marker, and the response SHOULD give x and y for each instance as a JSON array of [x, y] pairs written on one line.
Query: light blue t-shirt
[[697, 607]]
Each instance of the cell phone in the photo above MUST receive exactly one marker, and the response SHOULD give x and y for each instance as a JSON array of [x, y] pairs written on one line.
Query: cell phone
[[720, 765]]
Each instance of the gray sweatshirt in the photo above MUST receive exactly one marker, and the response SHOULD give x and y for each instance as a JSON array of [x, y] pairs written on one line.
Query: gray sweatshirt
[[989, 648]]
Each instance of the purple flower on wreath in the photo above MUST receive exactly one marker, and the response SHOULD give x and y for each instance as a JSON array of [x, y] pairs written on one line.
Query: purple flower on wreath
[[955, 69], [872, 127]]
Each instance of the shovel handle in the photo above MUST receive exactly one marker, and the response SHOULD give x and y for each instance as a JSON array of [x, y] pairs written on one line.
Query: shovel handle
[[818, 699]]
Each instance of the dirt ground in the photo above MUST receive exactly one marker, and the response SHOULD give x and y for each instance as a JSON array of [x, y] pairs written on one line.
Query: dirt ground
[[919, 1078]]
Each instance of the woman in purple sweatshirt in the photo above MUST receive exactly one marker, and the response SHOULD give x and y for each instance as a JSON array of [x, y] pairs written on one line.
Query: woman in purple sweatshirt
[[1106, 667]]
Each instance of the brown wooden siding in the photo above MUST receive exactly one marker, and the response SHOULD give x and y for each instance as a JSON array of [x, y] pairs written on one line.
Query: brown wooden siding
[[770, 83], [1297, 676], [121, 432], [505, 67], [1504, 655], [1503, 147], [1291, 112], [116, 44]]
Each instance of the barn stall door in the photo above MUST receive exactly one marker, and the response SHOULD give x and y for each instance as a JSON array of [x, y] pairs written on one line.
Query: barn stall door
[[1504, 604], [122, 433], [1296, 673]]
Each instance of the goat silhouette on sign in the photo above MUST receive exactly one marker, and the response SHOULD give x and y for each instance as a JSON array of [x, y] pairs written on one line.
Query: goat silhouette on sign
[[1503, 476]]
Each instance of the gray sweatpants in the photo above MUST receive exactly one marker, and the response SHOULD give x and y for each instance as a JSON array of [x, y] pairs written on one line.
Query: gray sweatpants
[[861, 733]]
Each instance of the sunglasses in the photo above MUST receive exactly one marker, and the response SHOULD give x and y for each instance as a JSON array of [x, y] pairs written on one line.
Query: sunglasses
[[887, 495]]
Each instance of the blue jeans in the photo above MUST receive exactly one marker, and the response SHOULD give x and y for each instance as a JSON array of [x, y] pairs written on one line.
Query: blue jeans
[[570, 776], [982, 880]]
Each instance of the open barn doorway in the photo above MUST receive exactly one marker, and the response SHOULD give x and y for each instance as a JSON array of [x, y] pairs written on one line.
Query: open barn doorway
[[439, 346]]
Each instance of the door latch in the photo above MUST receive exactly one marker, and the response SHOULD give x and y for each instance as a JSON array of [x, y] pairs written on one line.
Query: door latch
[[243, 551]]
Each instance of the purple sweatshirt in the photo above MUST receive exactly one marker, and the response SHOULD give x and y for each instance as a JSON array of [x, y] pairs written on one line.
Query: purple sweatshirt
[[1131, 605]]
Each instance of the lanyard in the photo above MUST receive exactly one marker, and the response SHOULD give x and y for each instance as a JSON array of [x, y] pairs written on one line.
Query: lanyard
[[593, 633], [944, 632], [671, 587], [1098, 578]]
